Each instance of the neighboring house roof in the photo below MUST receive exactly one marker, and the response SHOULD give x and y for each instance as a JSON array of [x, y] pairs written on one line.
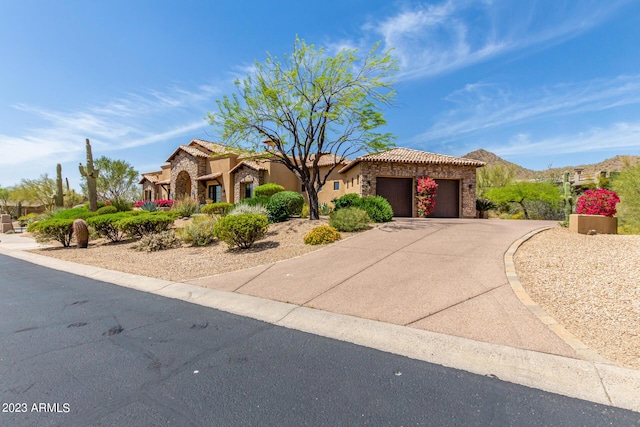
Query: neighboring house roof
[[211, 176], [407, 155], [327, 159], [250, 164], [165, 182]]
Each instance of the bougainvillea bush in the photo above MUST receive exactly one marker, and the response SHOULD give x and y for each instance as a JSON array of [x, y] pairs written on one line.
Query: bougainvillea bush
[[598, 202], [426, 195]]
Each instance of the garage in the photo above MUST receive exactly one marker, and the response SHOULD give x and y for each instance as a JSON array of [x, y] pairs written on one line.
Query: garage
[[399, 193], [447, 199]]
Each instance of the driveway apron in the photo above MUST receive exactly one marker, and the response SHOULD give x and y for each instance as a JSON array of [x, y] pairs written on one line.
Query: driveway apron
[[441, 275]]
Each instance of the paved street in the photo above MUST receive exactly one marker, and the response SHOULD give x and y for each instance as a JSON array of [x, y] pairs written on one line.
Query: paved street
[[91, 353]]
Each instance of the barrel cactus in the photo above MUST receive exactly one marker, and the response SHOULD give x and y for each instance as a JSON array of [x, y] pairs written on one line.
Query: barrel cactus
[[81, 232]]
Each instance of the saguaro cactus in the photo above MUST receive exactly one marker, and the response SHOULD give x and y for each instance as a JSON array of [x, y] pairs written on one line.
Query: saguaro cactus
[[568, 196], [91, 175], [81, 232], [59, 196]]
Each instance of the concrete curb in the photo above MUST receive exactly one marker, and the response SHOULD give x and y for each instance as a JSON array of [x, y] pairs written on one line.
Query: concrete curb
[[584, 351], [581, 379]]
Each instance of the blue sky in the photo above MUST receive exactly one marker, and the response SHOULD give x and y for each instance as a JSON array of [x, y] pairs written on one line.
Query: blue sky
[[536, 82]]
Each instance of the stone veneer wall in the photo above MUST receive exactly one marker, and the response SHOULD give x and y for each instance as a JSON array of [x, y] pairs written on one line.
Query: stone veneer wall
[[241, 175], [195, 167], [466, 175]]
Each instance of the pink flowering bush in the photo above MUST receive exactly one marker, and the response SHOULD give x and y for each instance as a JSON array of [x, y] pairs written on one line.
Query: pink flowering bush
[[426, 195], [597, 202]]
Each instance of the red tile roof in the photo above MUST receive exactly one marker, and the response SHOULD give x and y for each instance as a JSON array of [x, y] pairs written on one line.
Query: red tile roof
[[211, 176], [407, 155], [251, 164]]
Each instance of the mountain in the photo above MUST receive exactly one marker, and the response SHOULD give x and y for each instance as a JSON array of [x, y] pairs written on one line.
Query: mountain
[[614, 164]]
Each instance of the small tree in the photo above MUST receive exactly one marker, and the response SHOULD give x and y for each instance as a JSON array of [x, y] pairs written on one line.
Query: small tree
[[308, 106], [495, 176], [627, 185], [38, 191], [117, 180], [521, 191]]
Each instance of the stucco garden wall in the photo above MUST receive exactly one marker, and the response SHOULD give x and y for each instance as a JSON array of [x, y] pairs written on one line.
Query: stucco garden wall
[[466, 175]]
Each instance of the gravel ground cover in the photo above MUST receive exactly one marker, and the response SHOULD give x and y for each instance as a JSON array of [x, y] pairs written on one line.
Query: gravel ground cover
[[284, 240], [589, 284]]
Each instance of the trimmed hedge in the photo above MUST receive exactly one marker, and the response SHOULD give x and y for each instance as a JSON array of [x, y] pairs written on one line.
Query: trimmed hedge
[[220, 208], [268, 189], [107, 210], [58, 229], [75, 213], [144, 224], [106, 225], [241, 230]]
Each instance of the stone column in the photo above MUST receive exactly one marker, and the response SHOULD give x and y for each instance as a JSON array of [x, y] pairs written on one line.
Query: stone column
[[5, 223]]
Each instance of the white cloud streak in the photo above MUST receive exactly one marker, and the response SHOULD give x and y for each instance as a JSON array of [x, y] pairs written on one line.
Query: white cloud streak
[[131, 121], [434, 39], [484, 106]]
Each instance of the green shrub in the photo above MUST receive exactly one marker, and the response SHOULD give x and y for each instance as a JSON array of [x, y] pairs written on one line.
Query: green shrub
[[186, 207], [293, 201], [145, 224], [100, 204], [58, 229], [277, 210], [74, 213], [305, 211], [322, 235], [242, 208], [377, 207], [122, 205], [220, 208], [268, 189], [241, 230], [107, 210], [350, 219], [324, 209], [255, 201], [159, 241], [199, 232], [106, 225], [346, 201]]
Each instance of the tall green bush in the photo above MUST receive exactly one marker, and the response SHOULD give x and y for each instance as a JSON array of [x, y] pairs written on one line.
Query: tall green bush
[[293, 201], [627, 185], [377, 207], [268, 189], [241, 230]]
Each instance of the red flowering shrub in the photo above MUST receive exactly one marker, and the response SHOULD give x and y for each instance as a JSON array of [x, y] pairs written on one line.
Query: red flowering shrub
[[426, 195], [162, 203], [598, 202]]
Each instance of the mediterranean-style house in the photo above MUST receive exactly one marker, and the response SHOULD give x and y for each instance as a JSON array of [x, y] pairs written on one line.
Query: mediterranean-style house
[[207, 171]]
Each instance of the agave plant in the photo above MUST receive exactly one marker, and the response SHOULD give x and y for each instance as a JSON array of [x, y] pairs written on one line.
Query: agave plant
[[149, 206]]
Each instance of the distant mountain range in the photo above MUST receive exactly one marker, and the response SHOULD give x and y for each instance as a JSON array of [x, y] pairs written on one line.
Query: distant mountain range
[[614, 164]]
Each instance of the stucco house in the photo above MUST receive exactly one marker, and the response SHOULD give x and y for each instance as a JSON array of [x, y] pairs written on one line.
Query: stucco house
[[207, 171]]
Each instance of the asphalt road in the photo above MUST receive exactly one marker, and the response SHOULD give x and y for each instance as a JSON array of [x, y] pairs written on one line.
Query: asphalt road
[[75, 351]]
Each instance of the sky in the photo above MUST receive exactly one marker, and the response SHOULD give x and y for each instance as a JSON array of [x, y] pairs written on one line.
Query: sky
[[542, 83]]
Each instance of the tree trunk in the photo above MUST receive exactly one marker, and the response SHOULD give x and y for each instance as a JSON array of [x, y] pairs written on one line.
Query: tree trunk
[[526, 214], [312, 195]]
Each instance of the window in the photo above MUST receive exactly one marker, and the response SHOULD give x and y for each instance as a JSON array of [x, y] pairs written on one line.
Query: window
[[248, 190], [215, 193], [147, 195], [336, 185]]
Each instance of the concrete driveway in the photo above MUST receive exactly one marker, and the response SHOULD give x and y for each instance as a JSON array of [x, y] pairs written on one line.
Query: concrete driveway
[[441, 275]]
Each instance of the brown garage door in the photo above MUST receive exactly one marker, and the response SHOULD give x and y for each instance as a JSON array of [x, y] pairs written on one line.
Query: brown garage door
[[447, 199], [399, 193]]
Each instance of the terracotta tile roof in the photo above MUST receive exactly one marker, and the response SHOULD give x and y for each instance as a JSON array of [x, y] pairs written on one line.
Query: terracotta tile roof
[[209, 177], [327, 160], [188, 149], [251, 164], [407, 155], [152, 177]]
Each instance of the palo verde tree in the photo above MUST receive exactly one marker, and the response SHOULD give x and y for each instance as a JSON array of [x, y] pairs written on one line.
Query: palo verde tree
[[522, 191], [308, 106], [117, 180]]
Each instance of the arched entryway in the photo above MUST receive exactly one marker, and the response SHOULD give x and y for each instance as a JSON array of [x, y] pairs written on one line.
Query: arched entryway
[[183, 185]]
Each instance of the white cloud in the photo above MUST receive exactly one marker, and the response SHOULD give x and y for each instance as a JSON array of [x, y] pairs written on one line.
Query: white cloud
[[433, 39], [619, 136], [484, 106]]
